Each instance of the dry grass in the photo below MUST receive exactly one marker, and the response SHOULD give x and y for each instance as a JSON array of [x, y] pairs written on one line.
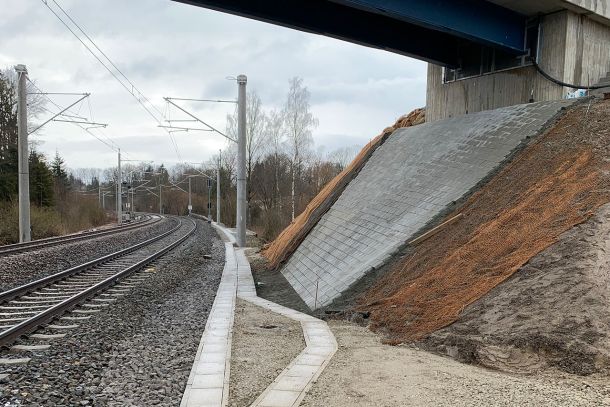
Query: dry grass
[[81, 214]]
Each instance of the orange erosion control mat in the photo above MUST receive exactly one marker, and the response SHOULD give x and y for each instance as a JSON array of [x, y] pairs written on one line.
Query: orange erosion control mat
[[555, 183], [287, 242]]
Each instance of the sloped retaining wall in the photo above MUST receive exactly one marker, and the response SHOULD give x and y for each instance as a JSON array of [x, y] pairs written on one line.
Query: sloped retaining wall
[[408, 180]]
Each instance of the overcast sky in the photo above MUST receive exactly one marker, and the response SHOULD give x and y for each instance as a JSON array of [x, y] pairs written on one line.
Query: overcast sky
[[172, 49]]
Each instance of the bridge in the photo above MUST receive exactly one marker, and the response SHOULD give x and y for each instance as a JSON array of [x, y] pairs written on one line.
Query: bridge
[[483, 54], [431, 31]]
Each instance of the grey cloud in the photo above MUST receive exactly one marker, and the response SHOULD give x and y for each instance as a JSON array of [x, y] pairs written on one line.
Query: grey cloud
[[172, 49]]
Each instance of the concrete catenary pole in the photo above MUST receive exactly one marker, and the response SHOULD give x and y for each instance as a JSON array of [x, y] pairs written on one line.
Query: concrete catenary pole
[[132, 208], [190, 202], [133, 201], [23, 164], [241, 161], [209, 200], [218, 189], [119, 199], [160, 202]]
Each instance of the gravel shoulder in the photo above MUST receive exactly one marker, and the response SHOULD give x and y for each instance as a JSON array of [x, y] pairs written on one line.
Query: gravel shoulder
[[365, 372], [136, 352], [263, 344], [21, 268]]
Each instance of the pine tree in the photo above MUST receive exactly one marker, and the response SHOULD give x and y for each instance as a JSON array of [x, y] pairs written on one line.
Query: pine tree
[[8, 173], [8, 140], [59, 171], [41, 180]]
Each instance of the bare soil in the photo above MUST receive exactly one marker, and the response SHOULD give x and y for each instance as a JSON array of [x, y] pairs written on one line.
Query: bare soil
[[552, 312], [263, 344], [365, 372], [272, 285]]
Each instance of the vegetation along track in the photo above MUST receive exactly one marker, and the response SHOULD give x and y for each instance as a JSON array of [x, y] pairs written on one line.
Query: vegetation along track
[[25, 308], [18, 248]]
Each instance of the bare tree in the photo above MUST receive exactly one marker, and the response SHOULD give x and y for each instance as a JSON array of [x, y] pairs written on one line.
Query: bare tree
[[343, 155], [36, 102], [274, 131], [299, 122]]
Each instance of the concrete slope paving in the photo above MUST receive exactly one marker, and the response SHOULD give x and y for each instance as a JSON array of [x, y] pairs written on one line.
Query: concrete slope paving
[[413, 177]]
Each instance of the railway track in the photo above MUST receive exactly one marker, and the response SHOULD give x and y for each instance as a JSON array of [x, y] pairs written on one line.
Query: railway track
[[28, 307], [18, 248]]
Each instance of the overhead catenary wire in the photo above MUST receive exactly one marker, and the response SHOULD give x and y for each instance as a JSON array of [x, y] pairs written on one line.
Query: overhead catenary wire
[[134, 91], [84, 96]]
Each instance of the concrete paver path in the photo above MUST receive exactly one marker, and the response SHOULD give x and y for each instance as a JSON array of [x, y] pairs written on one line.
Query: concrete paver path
[[208, 383]]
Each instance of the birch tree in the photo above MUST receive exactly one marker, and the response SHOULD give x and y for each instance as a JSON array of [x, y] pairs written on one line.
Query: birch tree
[[274, 131], [299, 123]]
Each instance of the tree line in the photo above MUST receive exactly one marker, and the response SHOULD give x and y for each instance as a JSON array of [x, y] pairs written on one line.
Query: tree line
[[284, 172], [284, 169], [55, 206]]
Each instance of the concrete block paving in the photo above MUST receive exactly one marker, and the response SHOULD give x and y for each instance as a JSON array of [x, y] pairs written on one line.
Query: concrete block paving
[[208, 383]]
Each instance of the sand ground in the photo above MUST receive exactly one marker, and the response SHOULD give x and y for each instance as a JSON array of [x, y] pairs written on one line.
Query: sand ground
[[263, 344], [365, 372]]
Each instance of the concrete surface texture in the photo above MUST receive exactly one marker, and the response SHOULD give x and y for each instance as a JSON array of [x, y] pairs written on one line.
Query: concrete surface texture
[[574, 48], [409, 180], [291, 385]]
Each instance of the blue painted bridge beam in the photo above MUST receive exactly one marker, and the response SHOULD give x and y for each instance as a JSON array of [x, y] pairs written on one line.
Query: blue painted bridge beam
[[431, 30]]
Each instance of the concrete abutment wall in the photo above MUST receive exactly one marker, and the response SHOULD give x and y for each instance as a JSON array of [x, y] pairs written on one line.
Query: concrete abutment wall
[[574, 48]]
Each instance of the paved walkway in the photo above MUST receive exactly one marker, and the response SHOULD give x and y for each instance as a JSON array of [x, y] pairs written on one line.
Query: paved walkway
[[208, 383]]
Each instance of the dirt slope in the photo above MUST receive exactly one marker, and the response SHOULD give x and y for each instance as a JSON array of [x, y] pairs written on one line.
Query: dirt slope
[[553, 311], [555, 183]]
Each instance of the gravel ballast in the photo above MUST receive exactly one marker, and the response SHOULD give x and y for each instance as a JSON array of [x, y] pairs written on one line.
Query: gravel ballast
[[136, 352], [21, 268]]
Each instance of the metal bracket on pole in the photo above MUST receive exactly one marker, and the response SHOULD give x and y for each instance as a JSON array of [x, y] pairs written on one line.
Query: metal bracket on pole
[[211, 128], [85, 95], [92, 124], [187, 129]]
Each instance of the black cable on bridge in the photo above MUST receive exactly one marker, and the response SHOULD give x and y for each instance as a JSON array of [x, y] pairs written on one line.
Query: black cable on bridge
[[561, 83]]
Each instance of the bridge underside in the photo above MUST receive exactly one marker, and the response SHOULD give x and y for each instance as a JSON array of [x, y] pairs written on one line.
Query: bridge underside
[[432, 31]]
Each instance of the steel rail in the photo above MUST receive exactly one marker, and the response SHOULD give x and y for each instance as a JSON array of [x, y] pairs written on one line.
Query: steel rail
[[31, 324], [34, 285], [57, 240]]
